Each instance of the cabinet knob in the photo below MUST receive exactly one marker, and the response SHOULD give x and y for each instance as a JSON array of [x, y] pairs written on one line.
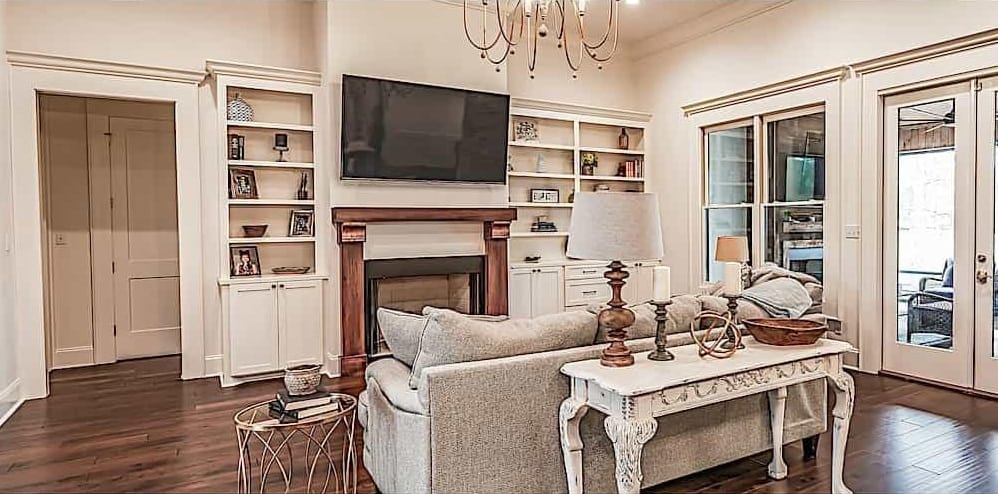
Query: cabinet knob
[[274, 285], [281, 285]]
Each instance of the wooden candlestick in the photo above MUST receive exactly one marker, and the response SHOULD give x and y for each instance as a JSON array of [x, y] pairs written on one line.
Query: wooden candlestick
[[661, 352], [617, 318]]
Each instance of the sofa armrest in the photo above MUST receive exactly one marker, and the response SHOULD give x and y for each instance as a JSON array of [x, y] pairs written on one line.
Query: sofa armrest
[[392, 377]]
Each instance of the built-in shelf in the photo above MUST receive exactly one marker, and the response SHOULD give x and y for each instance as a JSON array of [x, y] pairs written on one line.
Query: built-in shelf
[[540, 204], [270, 278], [538, 145], [537, 234], [270, 126], [567, 176], [612, 151], [271, 202], [270, 240], [598, 178], [270, 164]]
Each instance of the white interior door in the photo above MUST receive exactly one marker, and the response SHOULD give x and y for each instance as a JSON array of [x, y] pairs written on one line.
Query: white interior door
[[929, 234], [986, 327], [144, 225]]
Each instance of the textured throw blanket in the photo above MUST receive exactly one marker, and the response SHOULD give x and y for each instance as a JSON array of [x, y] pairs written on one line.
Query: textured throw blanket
[[780, 297]]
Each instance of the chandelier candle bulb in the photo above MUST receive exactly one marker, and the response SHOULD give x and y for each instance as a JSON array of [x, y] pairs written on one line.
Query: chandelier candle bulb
[[661, 284], [732, 279]]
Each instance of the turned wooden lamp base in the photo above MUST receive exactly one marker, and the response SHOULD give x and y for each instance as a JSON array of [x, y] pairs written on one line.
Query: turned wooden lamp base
[[617, 318]]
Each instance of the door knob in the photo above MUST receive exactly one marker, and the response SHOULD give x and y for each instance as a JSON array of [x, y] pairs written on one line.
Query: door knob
[[983, 276], [982, 258]]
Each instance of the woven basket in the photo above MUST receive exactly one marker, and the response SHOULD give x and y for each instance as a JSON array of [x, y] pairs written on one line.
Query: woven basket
[[302, 379]]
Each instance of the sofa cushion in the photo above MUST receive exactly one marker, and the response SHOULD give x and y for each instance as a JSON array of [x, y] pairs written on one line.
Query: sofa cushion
[[451, 337], [392, 377], [402, 331], [682, 310]]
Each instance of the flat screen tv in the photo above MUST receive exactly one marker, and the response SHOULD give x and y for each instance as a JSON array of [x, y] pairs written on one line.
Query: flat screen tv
[[404, 131]]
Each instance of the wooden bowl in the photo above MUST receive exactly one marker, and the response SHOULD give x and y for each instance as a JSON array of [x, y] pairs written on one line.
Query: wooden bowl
[[785, 332], [291, 269], [254, 230]]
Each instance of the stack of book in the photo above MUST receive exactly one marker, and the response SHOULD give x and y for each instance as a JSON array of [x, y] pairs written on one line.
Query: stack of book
[[289, 408]]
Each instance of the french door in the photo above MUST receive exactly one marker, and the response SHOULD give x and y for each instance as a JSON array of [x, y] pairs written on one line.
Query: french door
[[939, 235]]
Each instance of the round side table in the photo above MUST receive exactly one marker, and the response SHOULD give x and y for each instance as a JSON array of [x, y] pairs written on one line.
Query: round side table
[[319, 435]]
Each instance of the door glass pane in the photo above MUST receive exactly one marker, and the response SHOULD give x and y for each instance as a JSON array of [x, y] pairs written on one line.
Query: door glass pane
[[725, 222], [926, 204], [796, 170], [794, 238], [730, 164]]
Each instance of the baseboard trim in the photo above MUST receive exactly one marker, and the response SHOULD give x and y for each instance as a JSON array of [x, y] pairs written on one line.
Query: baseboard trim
[[13, 390], [332, 365], [67, 358], [857, 369], [212, 365]]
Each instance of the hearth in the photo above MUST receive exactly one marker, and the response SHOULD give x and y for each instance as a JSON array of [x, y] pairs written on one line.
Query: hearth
[[410, 284]]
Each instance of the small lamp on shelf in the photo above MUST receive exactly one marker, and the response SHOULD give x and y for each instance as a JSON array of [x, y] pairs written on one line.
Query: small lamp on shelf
[[734, 249], [734, 253], [614, 226]]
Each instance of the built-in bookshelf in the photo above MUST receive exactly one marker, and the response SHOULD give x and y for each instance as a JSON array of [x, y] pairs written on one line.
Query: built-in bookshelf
[[552, 160], [285, 182]]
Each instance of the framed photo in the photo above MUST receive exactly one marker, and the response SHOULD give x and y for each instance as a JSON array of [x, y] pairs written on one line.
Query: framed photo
[[242, 184], [545, 195], [525, 130], [302, 223], [245, 260]]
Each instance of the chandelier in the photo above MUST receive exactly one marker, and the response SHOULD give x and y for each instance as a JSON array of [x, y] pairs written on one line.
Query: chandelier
[[528, 21]]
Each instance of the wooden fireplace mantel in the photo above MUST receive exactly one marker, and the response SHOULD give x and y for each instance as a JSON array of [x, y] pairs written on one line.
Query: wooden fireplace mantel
[[351, 234]]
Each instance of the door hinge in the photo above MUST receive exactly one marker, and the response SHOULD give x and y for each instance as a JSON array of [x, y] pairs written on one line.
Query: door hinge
[[112, 203], [115, 328], [114, 267]]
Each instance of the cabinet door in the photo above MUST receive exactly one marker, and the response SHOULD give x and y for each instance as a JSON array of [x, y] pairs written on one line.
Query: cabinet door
[[253, 332], [520, 293], [300, 304], [631, 293], [643, 278], [547, 291]]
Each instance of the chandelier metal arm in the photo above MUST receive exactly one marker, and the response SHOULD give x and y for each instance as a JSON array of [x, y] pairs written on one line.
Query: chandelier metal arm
[[512, 38], [485, 46], [611, 26]]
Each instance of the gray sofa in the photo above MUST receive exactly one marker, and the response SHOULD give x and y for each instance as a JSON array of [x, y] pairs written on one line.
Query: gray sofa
[[487, 422]]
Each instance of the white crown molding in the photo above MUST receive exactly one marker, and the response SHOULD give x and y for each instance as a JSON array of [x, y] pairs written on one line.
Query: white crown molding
[[810, 80], [103, 67], [592, 111], [705, 24], [927, 52], [220, 67]]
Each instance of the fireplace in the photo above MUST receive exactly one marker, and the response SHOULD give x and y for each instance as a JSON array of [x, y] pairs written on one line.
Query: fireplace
[[410, 284]]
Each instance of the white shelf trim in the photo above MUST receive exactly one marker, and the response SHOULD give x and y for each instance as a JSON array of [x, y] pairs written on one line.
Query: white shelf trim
[[103, 67], [613, 151], [540, 204], [271, 202], [538, 145], [270, 126], [580, 110], [270, 240], [567, 176], [221, 67], [270, 278], [537, 234], [271, 164], [597, 178]]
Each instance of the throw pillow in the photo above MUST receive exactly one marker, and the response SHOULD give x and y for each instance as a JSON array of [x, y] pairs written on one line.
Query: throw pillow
[[451, 337], [403, 330], [682, 310]]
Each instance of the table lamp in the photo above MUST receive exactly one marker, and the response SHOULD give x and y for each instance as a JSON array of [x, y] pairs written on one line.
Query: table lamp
[[734, 253], [615, 226], [734, 249]]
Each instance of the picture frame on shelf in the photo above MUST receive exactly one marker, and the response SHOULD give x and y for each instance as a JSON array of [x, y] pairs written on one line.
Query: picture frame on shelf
[[302, 223], [551, 196], [526, 130], [242, 184], [245, 260]]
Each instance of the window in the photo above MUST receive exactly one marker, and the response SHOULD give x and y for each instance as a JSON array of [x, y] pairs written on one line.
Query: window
[[783, 220]]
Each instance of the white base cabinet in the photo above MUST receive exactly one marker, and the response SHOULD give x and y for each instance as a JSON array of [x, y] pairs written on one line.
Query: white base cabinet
[[536, 291], [271, 325]]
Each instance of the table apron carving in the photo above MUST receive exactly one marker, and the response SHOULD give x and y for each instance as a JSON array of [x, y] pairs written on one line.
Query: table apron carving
[[630, 421]]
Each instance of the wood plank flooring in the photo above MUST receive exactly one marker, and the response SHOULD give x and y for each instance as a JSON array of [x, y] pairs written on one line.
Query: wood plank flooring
[[135, 427]]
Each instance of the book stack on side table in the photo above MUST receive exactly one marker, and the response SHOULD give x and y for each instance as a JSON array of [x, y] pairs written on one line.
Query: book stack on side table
[[290, 408]]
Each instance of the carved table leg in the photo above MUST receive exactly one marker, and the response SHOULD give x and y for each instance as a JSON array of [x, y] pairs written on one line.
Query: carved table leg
[[629, 437], [569, 416], [777, 412], [845, 393]]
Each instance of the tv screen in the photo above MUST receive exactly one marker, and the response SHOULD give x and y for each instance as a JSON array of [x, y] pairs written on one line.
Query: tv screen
[[403, 131]]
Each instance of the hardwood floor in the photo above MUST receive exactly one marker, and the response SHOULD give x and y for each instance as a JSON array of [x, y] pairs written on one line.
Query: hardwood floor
[[134, 426]]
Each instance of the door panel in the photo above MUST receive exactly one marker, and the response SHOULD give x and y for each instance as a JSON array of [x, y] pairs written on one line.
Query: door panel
[[928, 234], [253, 332], [986, 327], [520, 293], [547, 286], [144, 224], [301, 322]]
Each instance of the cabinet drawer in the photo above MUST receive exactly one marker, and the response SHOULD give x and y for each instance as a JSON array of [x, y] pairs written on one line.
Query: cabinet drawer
[[584, 272], [587, 293]]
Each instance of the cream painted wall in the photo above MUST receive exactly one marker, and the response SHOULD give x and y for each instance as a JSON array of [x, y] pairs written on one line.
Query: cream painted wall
[[169, 33], [9, 394], [796, 39]]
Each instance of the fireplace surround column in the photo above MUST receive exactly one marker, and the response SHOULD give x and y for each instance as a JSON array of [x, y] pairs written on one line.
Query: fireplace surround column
[[351, 234]]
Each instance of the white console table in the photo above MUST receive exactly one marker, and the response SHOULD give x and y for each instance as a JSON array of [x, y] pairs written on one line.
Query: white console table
[[632, 397]]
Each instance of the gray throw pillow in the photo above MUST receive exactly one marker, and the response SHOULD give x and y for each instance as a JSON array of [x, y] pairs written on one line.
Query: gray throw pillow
[[681, 312], [451, 337], [403, 330]]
